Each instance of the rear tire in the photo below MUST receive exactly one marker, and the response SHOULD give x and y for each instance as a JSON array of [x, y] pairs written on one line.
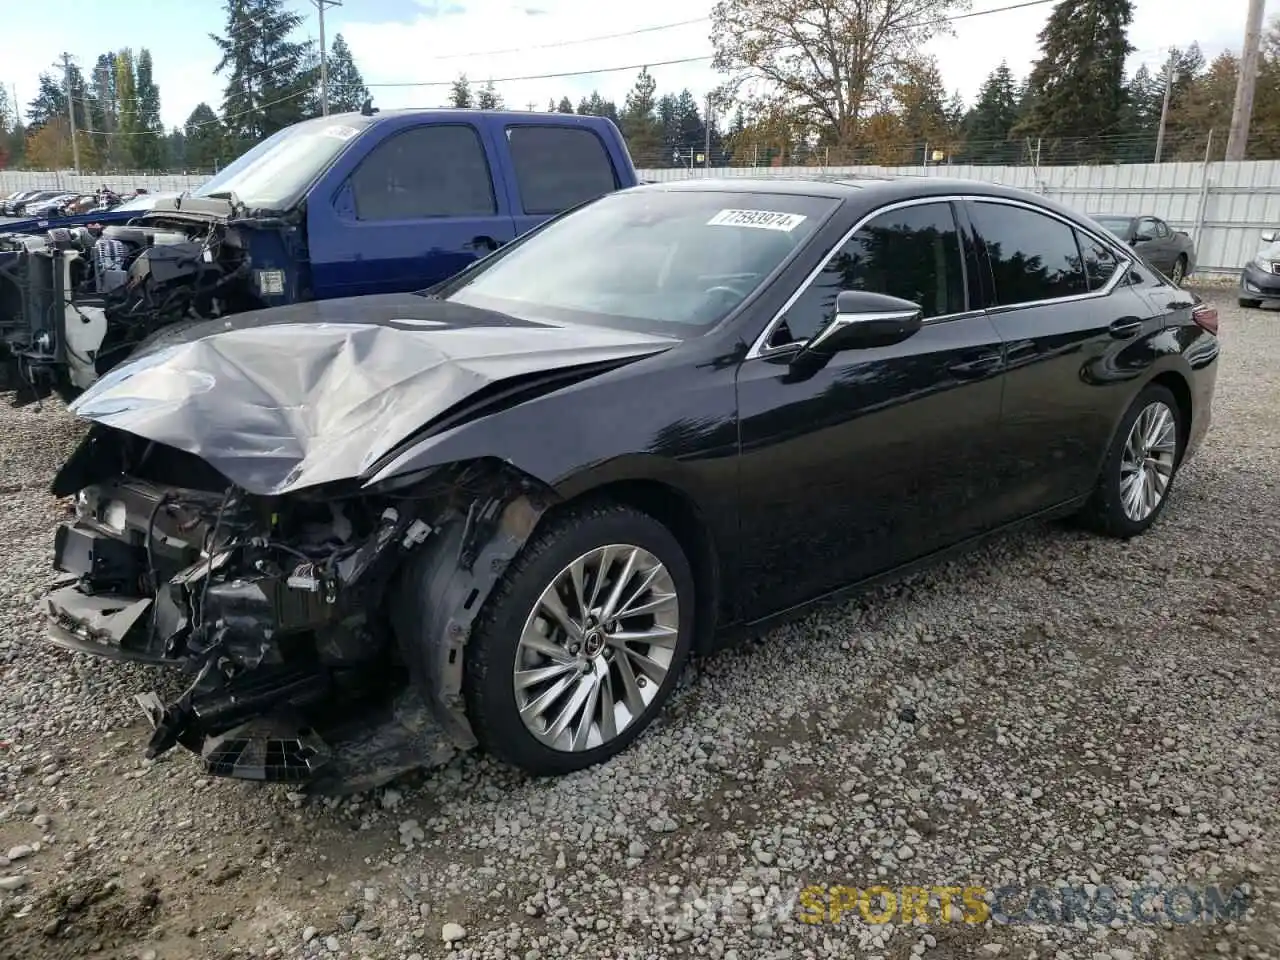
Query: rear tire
[[1250, 304], [1179, 274], [591, 698], [1141, 464]]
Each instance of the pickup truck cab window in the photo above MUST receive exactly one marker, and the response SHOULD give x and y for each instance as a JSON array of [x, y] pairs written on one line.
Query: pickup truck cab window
[[435, 170], [558, 167]]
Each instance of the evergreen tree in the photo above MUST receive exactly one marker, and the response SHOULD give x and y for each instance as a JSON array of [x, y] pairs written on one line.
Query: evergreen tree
[[204, 139], [597, 106], [988, 126], [50, 102], [564, 106], [147, 146], [175, 149], [269, 76], [347, 91], [460, 92], [489, 98], [640, 121], [922, 109], [1077, 86], [127, 96], [105, 111]]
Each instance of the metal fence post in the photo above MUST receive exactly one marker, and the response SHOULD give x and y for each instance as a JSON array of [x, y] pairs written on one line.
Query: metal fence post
[[1203, 203]]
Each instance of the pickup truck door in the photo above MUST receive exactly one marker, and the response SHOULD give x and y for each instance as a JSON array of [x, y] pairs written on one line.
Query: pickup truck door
[[552, 167], [421, 204]]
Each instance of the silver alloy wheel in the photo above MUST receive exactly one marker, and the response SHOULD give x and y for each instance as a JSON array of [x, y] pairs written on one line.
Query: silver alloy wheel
[[1146, 465], [597, 647], [1179, 272]]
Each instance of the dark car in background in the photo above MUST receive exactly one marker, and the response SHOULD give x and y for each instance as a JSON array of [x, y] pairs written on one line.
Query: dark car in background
[[503, 511], [1170, 251]]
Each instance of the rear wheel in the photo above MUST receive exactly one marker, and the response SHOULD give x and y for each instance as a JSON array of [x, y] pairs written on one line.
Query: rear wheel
[[1179, 270], [1138, 473], [582, 641]]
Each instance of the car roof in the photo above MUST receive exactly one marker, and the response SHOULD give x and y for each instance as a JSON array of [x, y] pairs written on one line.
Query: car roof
[[862, 189]]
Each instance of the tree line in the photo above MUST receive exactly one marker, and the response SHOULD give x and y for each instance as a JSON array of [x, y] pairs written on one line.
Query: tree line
[[830, 82], [272, 79], [847, 81]]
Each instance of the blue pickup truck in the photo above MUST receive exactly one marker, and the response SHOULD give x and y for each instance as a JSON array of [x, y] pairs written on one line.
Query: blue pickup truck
[[344, 205]]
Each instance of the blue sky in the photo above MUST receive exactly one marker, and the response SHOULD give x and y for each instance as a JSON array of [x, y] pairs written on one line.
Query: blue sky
[[431, 41]]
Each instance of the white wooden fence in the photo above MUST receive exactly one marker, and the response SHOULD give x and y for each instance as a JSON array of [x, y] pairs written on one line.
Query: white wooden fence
[[1224, 206]]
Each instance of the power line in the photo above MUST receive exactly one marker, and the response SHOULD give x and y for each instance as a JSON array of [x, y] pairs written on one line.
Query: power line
[[673, 62], [204, 123]]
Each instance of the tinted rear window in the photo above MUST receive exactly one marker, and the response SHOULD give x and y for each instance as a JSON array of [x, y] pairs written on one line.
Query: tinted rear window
[[559, 167]]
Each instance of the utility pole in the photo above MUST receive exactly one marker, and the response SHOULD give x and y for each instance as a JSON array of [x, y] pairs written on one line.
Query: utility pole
[[1242, 113], [320, 6], [1171, 77], [706, 148], [71, 110]]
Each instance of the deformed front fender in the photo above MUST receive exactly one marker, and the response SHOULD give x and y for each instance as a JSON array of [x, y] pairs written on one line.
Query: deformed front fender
[[444, 587]]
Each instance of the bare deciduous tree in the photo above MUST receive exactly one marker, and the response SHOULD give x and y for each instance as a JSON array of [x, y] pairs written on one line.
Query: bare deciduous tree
[[830, 61]]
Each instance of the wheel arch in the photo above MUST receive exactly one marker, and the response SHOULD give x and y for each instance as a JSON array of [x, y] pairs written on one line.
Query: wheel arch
[[678, 511], [1177, 384]]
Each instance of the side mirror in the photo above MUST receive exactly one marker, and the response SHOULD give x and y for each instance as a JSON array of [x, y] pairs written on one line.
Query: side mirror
[[1141, 238], [863, 320], [1270, 236]]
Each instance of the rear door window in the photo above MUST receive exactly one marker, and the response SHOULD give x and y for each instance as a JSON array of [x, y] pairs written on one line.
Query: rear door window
[[559, 167], [1033, 256]]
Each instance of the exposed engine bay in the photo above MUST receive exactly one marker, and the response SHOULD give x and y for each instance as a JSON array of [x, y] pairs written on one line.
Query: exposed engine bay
[[76, 301], [303, 662]]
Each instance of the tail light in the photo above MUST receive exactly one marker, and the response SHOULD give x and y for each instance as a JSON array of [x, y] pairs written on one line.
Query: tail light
[[1206, 317]]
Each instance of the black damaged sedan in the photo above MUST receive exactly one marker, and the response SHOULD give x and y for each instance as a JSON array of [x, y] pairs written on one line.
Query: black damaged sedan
[[503, 512]]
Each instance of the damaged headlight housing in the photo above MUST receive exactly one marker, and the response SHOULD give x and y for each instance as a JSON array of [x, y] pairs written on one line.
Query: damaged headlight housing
[[113, 515]]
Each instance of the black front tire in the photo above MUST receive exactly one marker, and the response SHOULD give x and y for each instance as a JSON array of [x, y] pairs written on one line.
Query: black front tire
[[491, 652], [1104, 513], [1179, 270]]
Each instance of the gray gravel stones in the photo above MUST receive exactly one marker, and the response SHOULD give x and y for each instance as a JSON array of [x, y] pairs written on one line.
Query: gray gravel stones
[[1051, 709]]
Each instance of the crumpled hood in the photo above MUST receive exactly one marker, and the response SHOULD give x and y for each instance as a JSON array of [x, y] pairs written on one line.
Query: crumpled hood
[[282, 399]]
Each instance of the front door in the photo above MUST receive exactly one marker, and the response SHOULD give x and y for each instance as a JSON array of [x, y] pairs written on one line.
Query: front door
[[883, 455], [418, 209]]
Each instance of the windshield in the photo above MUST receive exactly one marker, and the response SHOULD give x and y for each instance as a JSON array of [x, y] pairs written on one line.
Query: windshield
[[647, 259], [1117, 225], [276, 171]]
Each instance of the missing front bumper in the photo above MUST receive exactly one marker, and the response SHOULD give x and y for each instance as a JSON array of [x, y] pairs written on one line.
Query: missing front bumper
[[105, 626]]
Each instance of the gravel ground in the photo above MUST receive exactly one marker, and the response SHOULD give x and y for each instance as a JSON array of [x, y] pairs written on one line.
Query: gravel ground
[[1053, 709]]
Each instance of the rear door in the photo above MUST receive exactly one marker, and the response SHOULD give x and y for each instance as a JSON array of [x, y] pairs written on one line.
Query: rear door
[[1076, 333], [1154, 249], [883, 455], [420, 206], [553, 167]]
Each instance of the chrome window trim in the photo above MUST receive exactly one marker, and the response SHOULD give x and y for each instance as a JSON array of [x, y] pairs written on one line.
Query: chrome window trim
[[759, 347]]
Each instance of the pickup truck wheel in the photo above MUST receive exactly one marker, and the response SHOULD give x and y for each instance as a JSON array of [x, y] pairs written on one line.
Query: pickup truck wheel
[[1179, 270], [581, 642]]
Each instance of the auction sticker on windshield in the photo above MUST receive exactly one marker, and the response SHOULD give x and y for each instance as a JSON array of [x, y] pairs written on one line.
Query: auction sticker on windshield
[[759, 219]]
